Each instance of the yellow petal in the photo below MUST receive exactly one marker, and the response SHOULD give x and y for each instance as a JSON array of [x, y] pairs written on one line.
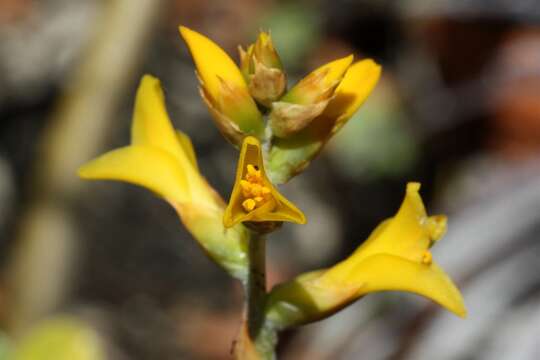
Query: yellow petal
[[149, 167], [409, 234], [386, 272], [212, 62], [152, 128], [277, 208], [151, 124], [394, 257], [335, 69], [187, 146], [319, 84], [225, 90], [358, 82], [319, 294]]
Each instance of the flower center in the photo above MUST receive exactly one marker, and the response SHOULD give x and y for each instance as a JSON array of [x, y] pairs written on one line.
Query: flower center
[[253, 189]]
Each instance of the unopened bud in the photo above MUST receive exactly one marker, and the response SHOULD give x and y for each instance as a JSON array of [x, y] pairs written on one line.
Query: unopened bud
[[307, 99], [263, 71], [232, 112], [287, 119]]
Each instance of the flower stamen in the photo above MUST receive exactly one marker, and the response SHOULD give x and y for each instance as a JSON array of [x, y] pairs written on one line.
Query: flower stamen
[[254, 191]]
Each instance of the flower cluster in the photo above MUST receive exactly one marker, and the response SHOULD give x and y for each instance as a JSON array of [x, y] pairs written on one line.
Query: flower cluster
[[279, 132]]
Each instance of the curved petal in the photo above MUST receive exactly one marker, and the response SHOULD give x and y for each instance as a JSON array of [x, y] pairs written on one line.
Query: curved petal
[[319, 84], [352, 91], [152, 128], [277, 208], [335, 69], [409, 234], [149, 167], [187, 147], [225, 90], [151, 124], [386, 272], [212, 62], [316, 295]]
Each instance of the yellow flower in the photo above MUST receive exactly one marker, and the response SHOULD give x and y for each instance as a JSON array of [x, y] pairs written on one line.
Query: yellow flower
[[290, 155], [396, 256], [223, 89], [253, 197], [163, 160]]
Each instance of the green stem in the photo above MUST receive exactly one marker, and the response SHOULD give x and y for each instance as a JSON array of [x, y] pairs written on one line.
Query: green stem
[[256, 283], [264, 339]]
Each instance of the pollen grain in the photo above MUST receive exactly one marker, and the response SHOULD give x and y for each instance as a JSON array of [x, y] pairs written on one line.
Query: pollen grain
[[254, 191]]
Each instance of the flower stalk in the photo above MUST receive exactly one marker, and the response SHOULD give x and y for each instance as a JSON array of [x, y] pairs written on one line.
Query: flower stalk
[[255, 285], [258, 343]]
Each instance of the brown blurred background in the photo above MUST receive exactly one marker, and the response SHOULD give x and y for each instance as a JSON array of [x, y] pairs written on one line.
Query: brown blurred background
[[458, 109]]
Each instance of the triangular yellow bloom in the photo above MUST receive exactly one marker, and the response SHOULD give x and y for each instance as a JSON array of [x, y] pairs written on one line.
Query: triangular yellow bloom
[[224, 89], [253, 197], [163, 160], [395, 257]]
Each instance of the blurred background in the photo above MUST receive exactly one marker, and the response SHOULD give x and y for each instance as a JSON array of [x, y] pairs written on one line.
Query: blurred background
[[109, 268]]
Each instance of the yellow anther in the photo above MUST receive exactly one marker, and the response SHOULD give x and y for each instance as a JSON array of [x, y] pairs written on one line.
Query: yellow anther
[[246, 185], [256, 189], [427, 258], [249, 204], [253, 189], [253, 171]]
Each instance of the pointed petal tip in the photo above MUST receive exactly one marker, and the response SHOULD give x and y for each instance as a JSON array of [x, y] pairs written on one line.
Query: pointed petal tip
[[190, 36], [148, 78], [150, 84], [343, 63], [458, 308], [370, 63], [185, 31], [413, 187], [89, 171], [82, 172]]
